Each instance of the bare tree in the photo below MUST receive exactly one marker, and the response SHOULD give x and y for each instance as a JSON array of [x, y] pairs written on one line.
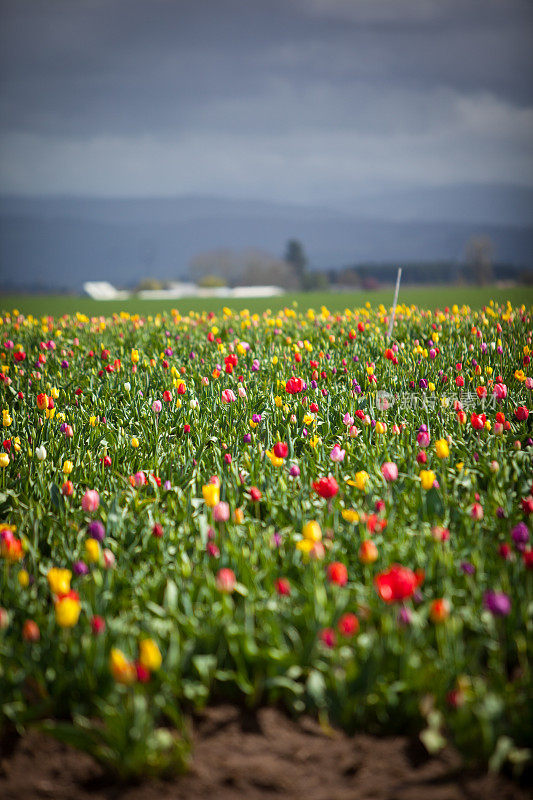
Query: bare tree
[[250, 267], [222, 263], [479, 256], [264, 269]]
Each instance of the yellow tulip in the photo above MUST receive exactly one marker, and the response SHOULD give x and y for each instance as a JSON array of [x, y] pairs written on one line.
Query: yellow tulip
[[121, 669], [23, 578], [442, 449], [361, 479], [311, 531], [59, 580], [67, 612], [211, 493], [427, 478], [92, 551], [150, 655]]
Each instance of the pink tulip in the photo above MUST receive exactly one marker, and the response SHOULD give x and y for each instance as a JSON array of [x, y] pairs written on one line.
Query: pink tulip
[[221, 512], [139, 478], [423, 439], [500, 391], [337, 454], [226, 580], [90, 500], [228, 396], [389, 470]]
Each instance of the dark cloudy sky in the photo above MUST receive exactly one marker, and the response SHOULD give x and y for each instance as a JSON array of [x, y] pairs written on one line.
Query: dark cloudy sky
[[301, 100]]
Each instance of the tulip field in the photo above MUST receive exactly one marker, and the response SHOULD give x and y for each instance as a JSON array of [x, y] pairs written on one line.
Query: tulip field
[[291, 509]]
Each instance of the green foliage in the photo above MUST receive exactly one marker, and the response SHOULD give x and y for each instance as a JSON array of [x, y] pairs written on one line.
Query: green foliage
[[432, 297], [212, 282], [465, 679]]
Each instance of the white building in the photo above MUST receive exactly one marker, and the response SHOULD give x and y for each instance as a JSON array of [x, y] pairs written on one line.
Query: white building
[[103, 290]]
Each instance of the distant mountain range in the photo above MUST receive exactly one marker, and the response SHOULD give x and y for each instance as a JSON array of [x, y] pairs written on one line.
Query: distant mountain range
[[59, 242]]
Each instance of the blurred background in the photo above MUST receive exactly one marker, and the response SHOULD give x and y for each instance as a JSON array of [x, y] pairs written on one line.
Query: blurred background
[[162, 145]]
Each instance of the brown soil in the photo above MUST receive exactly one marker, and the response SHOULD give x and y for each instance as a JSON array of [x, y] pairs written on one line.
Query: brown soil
[[265, 756]]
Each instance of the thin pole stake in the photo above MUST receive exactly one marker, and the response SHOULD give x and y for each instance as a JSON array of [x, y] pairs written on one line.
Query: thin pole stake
[[395, 302]]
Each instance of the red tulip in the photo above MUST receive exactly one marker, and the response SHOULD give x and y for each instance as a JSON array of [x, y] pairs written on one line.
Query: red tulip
[[439, 610], [328, 637], [97, 625], [281, 450], [326, 487], [30, 631], [478, 421], [527, 504], [337, 573], [282, 586], [294, 385], [348, 624], [398, 583], [143, 674]]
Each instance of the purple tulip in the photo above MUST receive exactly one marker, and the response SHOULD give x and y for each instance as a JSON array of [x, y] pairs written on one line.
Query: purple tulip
[[498, 603], [96, 530], [520, 535], [404, 616]]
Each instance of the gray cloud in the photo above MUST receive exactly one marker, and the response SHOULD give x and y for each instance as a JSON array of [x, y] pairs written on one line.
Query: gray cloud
[[304, 95]]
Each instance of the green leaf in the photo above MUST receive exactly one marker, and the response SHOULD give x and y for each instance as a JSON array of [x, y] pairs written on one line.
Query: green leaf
[[316, 687], [205, 665], [170, 600], [433, 740], [57, 499]]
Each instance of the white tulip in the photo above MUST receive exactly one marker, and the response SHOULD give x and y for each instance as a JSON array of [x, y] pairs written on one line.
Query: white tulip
[[40, 452], [127, 386]]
